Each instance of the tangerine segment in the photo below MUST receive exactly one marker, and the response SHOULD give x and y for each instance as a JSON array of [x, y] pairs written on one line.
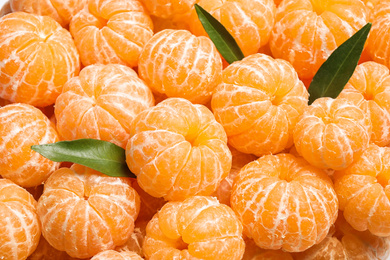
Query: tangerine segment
[[363, 190], [179, 64], [136, 240], [284, 202], [249, 21], [111, 32], [306, 32], [178, 150], [258, 103], [59, 10], [332, 132], [45, 251], [168, 9], [379, 34], [101, 103], [196, 228], [20, 228], [21, 126], [84, 212], [369, 88], [114, 255], [37, 57]]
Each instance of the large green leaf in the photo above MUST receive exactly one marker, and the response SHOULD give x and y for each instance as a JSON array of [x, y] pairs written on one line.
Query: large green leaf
[[102, 156], [335, 72], [222, 39]]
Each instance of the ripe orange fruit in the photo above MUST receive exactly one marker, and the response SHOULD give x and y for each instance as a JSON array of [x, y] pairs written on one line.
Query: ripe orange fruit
[[369, 88], [111, 32], [22, 125], [363, 190], [136, 240], [114, 255], [258, 103], [59, 10], [20, 228], [224, 189], [179, 64], [332, 132], [37, 57], [84, 212], [177, 23], [249, 21], [101, 103], [306, 32], [45, 251], [379, 34], [196, 228], [284, 203], [184, 154], [168, 9]]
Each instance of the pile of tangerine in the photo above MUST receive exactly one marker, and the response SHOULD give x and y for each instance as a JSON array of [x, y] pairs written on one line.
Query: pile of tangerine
[[231, 161]]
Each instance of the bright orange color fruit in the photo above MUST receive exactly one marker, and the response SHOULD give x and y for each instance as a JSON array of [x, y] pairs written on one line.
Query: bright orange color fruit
[[60, 10], [37, 57], [284, 202], [45, 251], [379, 37], [84, 212], [363, 190], [20, 228], [249, 21], [111, 32], [369, 88], [306, 32], [332, 132], [114, 255], [22, 125], [101, 103], [136, 240], [196, 228], [258, 103], [169, 9], [179, 64], [178, 150]]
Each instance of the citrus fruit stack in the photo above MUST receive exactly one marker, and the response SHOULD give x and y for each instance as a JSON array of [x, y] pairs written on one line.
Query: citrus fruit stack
[[230, 161]]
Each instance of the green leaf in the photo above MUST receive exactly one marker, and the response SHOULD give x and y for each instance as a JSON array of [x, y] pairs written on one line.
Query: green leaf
[[335, 72], [102, 156], [222, 39]]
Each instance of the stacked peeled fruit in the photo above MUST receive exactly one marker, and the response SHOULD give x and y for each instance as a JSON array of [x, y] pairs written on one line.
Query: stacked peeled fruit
[[230, 160]]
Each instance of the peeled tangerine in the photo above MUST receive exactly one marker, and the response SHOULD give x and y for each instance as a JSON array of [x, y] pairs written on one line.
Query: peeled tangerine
[[177, 150], [284, 202], [20, 228], [363, 190], [258, 104], [84, 212], [196, 228]]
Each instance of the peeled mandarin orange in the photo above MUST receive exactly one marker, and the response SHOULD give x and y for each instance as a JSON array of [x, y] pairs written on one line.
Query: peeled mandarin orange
[[101, 103], [196, 228], [363, 190], [59, 10], [178, 23], [224, 189], [284, 202], [258, 103], [111, 32], [369, 87], [114, 255], [136, 240], [20, 228], [37, 57], [22, 125], [249, 21], [306, 32], [179, 64], [45, 251], [379, 35], [168, 9], [332, 132], [178, 150], [84, 212]]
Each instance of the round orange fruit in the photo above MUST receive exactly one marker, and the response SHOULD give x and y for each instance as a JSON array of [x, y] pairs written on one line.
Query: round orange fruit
[[114, 255]]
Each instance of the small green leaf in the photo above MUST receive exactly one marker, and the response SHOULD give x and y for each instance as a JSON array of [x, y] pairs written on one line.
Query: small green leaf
[[222, 39], [102, 156], [335, 72]]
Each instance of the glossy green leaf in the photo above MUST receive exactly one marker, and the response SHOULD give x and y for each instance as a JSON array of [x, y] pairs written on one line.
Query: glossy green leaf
[[335, 72], [222, 39], [102, 156]]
